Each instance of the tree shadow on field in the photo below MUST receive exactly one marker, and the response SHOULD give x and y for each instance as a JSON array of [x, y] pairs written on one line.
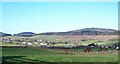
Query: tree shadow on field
[[21, 60]]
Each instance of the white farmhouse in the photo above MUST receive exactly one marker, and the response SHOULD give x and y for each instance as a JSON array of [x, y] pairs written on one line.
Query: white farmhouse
[[29, 43], [24, 42], [7, 41], [43, 43], [117, 48]]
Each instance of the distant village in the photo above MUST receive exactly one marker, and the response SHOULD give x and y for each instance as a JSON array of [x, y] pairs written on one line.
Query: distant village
[[27, 42]]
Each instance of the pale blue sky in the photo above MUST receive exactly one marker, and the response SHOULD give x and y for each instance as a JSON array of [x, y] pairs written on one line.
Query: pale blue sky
[[58, 16]]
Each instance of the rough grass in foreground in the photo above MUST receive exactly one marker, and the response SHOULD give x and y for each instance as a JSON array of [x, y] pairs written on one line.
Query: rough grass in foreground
[[38, 55]]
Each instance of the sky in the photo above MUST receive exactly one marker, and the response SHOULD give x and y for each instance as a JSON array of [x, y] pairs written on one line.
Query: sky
[[41, 17], [60, 0]]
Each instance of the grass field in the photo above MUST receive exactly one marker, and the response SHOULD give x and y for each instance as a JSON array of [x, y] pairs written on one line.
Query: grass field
[[45, 55], [7, 44], [42, 55]]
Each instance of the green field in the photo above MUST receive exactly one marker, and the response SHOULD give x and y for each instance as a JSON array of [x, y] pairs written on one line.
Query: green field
[[42, 55], [7, 44], [47, 55]]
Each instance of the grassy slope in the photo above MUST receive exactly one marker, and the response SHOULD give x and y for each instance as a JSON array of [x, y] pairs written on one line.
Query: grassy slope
[[7, 44], [72, 39], [31, 54]]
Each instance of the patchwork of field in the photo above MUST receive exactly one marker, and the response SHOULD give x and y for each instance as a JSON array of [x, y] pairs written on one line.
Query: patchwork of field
[[44, 55], [75, 39]]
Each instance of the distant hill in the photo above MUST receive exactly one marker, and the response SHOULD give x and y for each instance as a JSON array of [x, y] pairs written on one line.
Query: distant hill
[[4, 34], [85, 31], [25, 34]]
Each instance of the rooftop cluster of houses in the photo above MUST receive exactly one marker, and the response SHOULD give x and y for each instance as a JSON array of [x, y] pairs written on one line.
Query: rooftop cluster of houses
[[25, 41]]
